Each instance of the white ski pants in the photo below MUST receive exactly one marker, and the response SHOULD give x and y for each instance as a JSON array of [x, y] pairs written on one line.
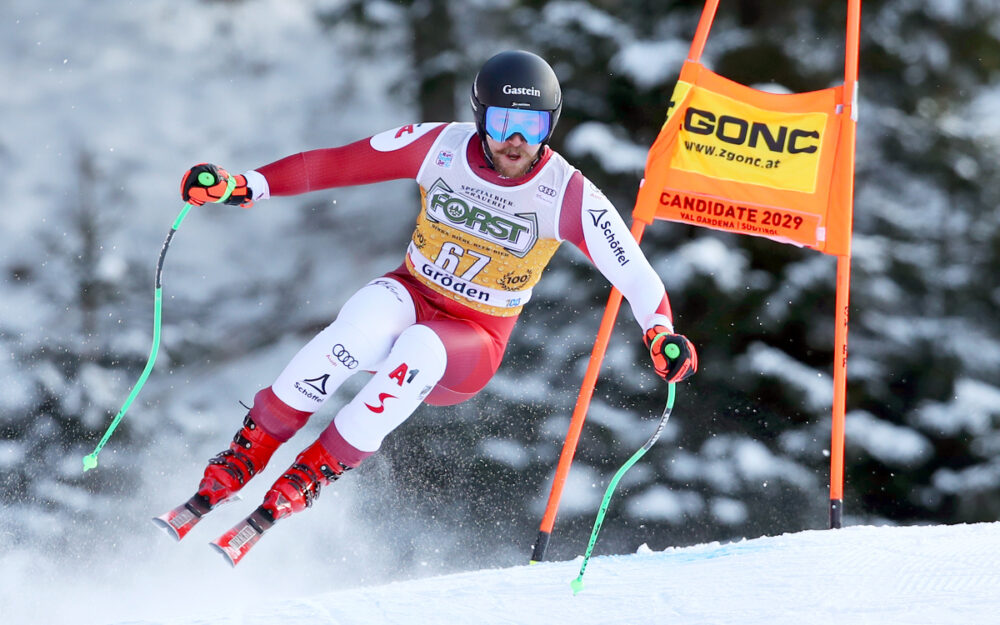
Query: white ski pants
[[375, 331]]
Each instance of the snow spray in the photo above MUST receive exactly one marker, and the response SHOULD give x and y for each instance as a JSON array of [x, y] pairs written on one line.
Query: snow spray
[[672, 351]]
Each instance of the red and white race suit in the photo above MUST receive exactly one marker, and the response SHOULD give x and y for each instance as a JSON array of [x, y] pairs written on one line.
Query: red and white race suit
[[435, 329]]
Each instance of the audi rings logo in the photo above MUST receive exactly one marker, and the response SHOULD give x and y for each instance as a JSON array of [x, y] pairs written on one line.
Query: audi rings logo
[[344, 357]]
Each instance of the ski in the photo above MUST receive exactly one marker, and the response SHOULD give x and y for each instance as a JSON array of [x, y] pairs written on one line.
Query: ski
[[179, 521], [235, 543]]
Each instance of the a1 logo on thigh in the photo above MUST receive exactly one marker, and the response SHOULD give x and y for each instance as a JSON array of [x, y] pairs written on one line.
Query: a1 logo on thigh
[[403, 373]]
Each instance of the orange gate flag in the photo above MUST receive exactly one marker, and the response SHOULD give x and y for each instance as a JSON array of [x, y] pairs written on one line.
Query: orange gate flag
[[734, 158], [775, 165]]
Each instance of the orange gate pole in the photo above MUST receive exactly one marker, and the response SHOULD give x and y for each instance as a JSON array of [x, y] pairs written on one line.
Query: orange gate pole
[[838, 429], [837, 432], [701, 34]]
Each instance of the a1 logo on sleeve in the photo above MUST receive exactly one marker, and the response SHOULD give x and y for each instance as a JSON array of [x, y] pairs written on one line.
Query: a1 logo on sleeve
[[400, 137]]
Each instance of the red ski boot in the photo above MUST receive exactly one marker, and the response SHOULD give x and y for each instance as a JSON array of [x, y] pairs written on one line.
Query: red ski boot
[[300, 485], [229, 471], [226, 474], [293, 492]]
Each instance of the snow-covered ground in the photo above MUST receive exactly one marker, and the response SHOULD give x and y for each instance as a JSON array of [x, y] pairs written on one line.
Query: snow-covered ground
[[933, 575]]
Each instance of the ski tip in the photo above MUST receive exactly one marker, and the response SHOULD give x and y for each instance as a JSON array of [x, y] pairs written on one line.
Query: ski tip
[[166, 527], [179, 521], [235, 543], [225, 554]]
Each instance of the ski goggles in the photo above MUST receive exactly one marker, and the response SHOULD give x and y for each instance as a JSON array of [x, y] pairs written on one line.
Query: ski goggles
[[504, 123]]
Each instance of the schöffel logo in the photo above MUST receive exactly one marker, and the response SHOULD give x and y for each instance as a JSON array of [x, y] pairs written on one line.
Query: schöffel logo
[[515, 233], [511, 90], [318, 383], [617, 249]]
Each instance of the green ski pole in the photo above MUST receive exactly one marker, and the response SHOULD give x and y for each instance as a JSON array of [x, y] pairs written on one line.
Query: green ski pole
[[90, 460], [577, 584], [206, 179]]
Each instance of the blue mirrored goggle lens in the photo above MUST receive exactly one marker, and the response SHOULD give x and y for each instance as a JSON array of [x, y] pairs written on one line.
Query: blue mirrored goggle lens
[[503, 123]]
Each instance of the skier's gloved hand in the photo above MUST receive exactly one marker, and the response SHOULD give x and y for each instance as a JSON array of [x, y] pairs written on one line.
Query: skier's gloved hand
[[205, 183], [674, 356]]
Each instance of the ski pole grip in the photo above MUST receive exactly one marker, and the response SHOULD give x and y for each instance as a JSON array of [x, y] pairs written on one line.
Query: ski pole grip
[[670, 351], [230, 185], [208, 179]]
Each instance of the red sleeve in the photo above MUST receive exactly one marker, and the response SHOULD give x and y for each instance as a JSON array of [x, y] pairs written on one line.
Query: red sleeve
[[570, 228], [352, 164]]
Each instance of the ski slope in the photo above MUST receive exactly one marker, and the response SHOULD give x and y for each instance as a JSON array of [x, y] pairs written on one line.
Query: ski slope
[[934, 575]]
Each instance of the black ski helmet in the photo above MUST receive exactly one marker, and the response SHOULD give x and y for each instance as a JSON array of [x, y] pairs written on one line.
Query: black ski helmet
[[516, 79]]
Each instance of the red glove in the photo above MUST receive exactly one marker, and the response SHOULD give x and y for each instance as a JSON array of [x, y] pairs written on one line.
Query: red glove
[[205, 183], [674, 357]]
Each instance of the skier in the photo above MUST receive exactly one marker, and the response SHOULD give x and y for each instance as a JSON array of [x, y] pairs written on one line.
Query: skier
[[496, 203]]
